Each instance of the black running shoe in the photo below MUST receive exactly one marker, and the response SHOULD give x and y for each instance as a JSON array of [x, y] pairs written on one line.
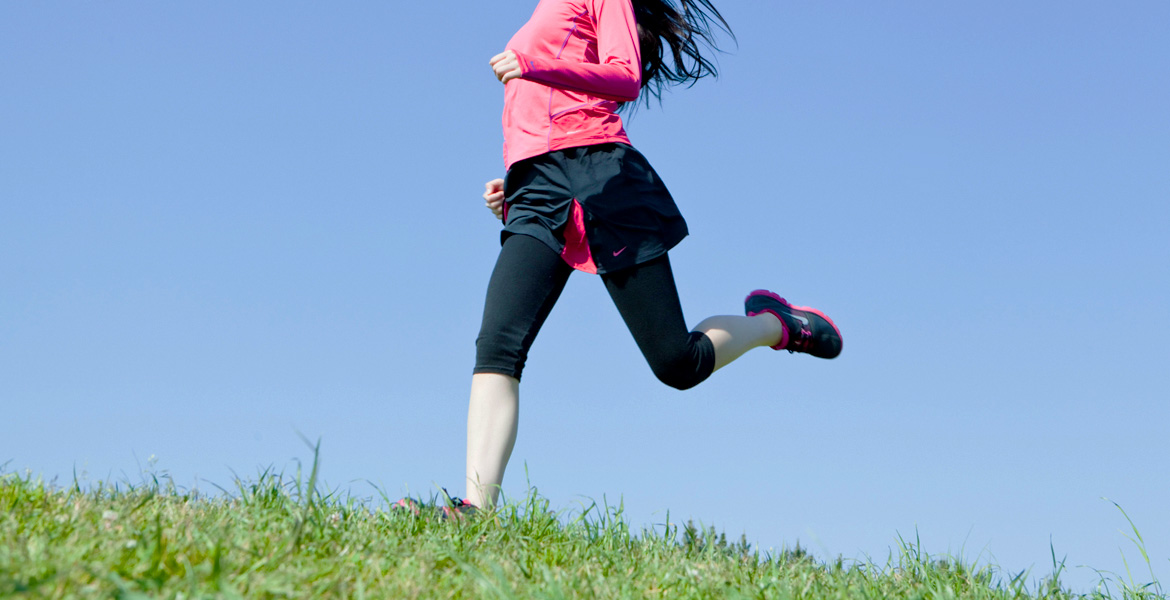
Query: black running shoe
[[807, 330], [407, 504], [450, 507], [458, 510]]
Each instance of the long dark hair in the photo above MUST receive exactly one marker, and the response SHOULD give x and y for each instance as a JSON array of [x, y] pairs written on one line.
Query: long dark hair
[[678, 30]]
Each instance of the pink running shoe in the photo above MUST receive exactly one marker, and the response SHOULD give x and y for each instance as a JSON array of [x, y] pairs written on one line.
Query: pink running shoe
[[805, 329]]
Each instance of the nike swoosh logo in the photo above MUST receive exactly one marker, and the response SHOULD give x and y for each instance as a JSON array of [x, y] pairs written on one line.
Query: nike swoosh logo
[[801, 319], [617, 252]]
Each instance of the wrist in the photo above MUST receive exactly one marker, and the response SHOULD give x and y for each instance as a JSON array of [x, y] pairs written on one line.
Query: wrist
[[520, 60]]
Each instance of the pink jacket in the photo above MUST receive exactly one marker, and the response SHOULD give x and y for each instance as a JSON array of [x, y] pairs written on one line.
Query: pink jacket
[[580, 60]]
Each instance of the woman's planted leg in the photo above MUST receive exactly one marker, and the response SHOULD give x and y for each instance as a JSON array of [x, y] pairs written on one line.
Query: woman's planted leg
[[492, 417], [527, 280]]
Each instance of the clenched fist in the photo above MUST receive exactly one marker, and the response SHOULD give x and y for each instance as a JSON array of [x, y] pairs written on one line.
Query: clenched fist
[[493, 197]]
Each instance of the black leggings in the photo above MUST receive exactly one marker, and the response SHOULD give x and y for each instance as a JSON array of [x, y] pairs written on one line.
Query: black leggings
[[529, 277]]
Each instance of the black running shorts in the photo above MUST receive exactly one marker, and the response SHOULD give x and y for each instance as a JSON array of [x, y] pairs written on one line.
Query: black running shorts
[[601, 207]]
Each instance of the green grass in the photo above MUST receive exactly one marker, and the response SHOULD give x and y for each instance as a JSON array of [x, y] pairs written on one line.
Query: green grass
[[275, 538]]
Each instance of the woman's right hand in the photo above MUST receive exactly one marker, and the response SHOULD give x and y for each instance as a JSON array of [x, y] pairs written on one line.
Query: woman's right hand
[[493, 197]]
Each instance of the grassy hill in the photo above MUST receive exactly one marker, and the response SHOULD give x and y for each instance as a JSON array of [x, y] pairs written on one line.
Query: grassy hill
[[273, 538]]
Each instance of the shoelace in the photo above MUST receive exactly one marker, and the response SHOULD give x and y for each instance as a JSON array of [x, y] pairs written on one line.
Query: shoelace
[[799, 344], [456, 501]]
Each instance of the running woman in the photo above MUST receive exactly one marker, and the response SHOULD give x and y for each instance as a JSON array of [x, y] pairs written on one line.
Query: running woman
[[578, 196]]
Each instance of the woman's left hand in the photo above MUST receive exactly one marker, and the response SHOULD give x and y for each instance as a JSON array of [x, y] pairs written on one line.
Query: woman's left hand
[[506, 66]]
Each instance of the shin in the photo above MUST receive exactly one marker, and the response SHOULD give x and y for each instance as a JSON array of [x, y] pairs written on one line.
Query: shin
[[492, 416]]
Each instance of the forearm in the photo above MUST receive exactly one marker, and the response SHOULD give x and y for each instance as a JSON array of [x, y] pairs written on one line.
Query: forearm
[[614, 70], [616, 80]]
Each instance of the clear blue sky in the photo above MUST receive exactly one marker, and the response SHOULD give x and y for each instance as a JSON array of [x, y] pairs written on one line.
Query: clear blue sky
[[224, 223]]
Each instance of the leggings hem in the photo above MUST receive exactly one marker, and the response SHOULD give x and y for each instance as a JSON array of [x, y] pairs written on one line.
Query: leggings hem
[[513, 373]]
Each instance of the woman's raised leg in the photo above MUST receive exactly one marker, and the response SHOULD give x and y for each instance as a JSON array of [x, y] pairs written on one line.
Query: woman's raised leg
[[647, 299], [732, 335]]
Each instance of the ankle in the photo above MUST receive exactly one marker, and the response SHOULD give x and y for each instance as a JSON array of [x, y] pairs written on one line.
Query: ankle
[[777, 332]]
